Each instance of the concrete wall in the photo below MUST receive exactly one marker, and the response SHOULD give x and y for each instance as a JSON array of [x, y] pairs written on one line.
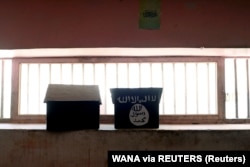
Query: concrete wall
[[114, 23], [39, 148]]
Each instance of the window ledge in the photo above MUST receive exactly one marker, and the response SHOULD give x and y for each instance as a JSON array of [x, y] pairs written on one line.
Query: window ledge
[[108, 127]]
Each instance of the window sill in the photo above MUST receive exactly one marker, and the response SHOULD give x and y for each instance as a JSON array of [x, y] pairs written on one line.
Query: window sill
[[109, 127]]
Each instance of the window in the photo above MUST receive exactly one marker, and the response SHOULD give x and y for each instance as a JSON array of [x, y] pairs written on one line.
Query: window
[[193, 87], [237, 88], [189, 88]]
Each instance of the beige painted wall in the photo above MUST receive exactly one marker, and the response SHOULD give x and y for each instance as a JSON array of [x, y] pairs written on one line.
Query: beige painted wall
[[114, 23], [39, 148]]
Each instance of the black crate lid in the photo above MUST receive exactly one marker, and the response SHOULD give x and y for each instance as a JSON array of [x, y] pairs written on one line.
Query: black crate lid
[[61, 92]]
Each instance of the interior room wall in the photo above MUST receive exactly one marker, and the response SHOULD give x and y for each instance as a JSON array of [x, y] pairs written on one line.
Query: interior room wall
[[114, 23]]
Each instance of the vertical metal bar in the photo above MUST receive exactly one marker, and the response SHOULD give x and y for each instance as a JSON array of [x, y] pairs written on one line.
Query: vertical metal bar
[[174, 80], [139, 74], [236, 88], [128, 67], [105, 89], [151, 75], [208, 88], [116, 73], [127, 74], [60, 72], [39, 87], [49, 73], [2, 88], [28, 79], [197, 88], [83, 73], [72, 73], [248, 89], [163, 83], [185, 85], [15, 91], [220, 99], [94, 73]]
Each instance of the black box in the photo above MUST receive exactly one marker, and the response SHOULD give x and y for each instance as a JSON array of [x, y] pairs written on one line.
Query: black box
[[136, 107], [72, 107]]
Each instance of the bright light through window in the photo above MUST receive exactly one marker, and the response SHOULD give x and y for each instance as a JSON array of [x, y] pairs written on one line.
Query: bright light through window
[[188, 88]]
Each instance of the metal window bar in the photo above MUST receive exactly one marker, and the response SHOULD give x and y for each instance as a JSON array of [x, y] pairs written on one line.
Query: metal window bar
[[27, 86], [2, 88], [83, 73], [185, 89], [49, 73], [174, 89], [248, 89], [169, 89], [208, 89], [196, 90], [60, 79], [39, 90], [139, 75], [72, 73], [236, 88], [105, 85], [163, 83]]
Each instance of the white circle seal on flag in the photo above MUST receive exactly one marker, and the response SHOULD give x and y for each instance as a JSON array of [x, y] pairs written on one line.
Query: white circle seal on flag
[[138, 115]]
